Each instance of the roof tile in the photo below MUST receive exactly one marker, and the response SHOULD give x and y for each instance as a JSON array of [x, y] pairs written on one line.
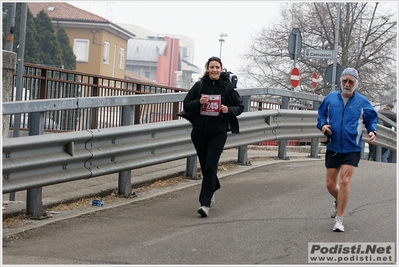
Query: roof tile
[[65, 11]]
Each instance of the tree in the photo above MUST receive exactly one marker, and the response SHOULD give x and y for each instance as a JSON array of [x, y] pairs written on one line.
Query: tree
[[367, 42], [68, 57], [31, 53], [50, 53]]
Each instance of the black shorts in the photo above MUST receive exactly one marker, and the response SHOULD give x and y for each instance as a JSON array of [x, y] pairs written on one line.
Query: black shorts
[[335, 160]]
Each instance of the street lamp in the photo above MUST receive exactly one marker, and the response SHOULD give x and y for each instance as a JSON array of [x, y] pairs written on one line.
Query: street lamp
[[221, 40]]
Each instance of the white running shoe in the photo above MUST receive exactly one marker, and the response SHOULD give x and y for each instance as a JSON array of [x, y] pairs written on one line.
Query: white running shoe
[[204, 211], [213, 199], [339, 226], [333, 211]]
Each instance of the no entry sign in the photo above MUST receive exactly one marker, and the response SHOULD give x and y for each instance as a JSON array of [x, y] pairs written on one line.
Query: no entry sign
[[314, 80], [295, 77]]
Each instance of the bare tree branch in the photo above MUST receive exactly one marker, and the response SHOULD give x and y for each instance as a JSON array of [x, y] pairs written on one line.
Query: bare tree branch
[[367, 42]]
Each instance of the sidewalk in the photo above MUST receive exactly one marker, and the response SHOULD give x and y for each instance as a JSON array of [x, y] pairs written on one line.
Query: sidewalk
[[105, 185]]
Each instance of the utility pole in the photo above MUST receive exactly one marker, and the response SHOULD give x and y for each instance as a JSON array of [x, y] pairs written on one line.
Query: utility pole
[[10, 25], [20, 66], [334, 73]]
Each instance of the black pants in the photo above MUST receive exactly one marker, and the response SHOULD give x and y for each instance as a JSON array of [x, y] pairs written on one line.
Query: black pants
[[209, 148]]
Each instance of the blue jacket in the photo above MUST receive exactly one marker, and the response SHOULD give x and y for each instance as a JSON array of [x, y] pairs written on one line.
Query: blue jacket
[[346, 121]]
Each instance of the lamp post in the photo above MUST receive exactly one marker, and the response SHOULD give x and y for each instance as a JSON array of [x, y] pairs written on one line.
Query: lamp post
[[221, 40]]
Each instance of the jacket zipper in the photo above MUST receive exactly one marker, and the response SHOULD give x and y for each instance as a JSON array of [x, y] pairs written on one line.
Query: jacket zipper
[[342, 120], [207, 117]]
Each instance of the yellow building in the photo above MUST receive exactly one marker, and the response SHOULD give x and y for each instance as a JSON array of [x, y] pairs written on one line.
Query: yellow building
[[99, 45]]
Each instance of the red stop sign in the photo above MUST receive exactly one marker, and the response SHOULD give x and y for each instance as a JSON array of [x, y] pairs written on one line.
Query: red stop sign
[[314, 80], [295, 77]]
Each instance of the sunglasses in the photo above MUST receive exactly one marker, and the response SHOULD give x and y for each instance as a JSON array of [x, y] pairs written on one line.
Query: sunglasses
[[351, 82]]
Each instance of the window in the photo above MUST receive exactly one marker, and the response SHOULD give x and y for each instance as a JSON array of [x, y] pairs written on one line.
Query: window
[[122, 58], [107, 46], [81, 50]]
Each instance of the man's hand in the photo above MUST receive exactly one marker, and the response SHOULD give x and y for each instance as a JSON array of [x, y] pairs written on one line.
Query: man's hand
[[372, 137], [326, 129]]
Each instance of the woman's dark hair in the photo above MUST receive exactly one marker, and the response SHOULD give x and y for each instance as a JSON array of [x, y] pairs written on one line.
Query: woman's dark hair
[[209, 61]]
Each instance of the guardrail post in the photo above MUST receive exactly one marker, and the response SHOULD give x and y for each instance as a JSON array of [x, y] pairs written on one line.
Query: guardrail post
[[94, 111], [314, 142], [36, 123], [378, 153], [191, 168], [243, 150], [393, 156], [282, 144], [125, 177], [137, 108], [34, 204]]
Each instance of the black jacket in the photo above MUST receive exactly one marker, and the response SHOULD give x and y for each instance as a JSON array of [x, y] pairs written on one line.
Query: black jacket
[[230, 98]]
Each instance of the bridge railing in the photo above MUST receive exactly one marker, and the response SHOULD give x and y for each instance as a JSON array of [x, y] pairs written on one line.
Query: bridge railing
[[44, 82]]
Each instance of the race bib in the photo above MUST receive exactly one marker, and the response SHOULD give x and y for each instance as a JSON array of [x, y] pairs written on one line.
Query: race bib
[[212, 108]]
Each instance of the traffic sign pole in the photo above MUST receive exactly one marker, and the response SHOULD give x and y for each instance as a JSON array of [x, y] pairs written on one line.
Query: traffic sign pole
[[335, 48], [296, 48]]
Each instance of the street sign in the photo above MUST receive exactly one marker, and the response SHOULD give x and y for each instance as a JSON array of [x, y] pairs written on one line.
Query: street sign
[[295, 77], [338, 72], [314, 80], [295, 43], [320, 54]]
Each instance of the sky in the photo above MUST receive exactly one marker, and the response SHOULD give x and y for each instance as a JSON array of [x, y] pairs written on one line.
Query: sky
[[202, 21]]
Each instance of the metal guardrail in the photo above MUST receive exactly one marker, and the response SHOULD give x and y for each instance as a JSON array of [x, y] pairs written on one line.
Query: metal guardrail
[[32, 162], [42, 160]]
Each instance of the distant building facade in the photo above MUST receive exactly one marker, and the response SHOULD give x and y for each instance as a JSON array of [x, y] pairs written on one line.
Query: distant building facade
[[99, 45], [164, 58]]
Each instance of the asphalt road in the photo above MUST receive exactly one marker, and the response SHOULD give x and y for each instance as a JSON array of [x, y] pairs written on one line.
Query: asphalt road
[[266, 215]]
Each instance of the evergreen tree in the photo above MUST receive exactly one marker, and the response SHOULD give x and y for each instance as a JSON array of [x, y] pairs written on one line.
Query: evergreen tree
[[68, 57], [50, 53]]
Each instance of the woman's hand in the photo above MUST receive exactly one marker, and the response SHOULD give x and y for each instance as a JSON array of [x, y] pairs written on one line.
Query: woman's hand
[[224, 109], [203, 99]]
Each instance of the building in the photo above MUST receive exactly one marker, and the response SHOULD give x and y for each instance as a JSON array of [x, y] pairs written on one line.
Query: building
[[164, 58], [99, 45], [115, 50], [157, 59]]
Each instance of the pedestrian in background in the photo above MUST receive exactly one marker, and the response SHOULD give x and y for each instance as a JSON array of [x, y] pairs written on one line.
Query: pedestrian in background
[[341, 116], [216, 105], [385, 152]]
